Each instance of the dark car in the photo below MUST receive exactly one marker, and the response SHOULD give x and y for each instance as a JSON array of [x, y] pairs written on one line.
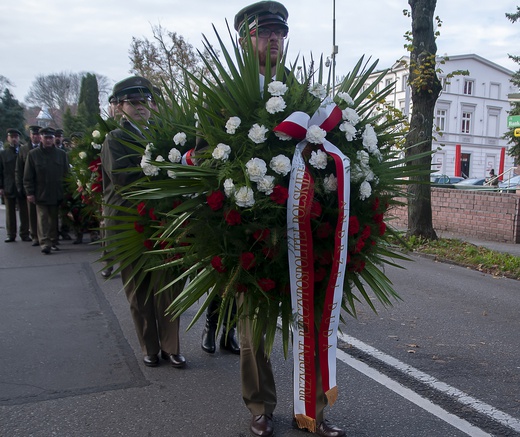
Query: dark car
[[511, 183], [445, 180], [471, 183]]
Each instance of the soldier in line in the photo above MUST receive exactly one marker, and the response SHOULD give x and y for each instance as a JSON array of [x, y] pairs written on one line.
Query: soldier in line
[[11, 196], [35, 140], [44, 180]]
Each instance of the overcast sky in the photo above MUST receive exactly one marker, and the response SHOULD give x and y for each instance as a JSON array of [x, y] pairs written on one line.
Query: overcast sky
[[52, 36]]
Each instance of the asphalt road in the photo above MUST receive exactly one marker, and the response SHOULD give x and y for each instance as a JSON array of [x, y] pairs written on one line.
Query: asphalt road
[[441, 362]]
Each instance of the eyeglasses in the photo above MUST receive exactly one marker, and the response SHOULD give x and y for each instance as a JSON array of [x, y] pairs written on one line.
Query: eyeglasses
[[135, 102], [266, 32]]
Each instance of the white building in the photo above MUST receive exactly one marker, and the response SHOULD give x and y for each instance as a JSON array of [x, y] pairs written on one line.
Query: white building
[[470, 115]]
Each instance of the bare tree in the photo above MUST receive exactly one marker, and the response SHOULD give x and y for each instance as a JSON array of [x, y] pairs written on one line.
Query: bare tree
[[425, 87], [165, 58], [60, 91], [4, 83]]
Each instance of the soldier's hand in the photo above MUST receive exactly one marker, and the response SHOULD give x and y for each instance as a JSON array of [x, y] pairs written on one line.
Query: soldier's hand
[[31, 198]]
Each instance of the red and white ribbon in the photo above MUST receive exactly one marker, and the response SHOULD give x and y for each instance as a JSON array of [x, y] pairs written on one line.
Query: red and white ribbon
[[301, 265]]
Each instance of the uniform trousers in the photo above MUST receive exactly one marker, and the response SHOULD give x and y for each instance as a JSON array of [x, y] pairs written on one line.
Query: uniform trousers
[[10, 217], [47, 216], [33, 220], [155, 330], [256, 373]]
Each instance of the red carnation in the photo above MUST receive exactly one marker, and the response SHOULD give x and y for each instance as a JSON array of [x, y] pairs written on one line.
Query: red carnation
[[152, 214], [353, 225], [366, 232], [216, 263], [324, 230], [96, 187], [233, 217], [269, 252], [141, 209], [359, 246], [375, 205], [215, 200], [279, 195], [139, 227], [176, 203], [316, 209], [148, 244], [261, 234], [247, 260], [241, 288], [94, 165], [382, 228], [266, 284]]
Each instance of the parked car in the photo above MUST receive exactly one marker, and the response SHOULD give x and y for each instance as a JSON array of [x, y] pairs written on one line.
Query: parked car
[[445, 180], [511, 183], [471, 184]]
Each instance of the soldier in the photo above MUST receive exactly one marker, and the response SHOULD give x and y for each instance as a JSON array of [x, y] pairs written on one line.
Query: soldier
[[157, 334], [12, 198], [35, 137], [44, 175]]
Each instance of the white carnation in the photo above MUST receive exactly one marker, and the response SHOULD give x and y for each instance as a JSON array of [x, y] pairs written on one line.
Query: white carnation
[[356, 173], [365, 190], [171, 174], [179, 139], [256, 169], [160, 158], [280, 164], [363, 158], [349, 129], [82, 155], [369, 139], [148, 150], [266, 184], [95, 145], [315, 135], [229, 187], [232, 125], [96, 134], [318, 159], [275, 104], [221, 152], [174, 155], [149, 169], [318, 90], [257, 133], [282, 136], [351, 115], [277, 88], [346, 98], [244, 197], [330, 183]]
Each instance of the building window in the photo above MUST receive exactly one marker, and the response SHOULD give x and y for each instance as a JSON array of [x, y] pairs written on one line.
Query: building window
[[469, 87], [466, 122], [404, 82], [388, 82], [445, 83], [493, 122], [440, 119], [494, 91]]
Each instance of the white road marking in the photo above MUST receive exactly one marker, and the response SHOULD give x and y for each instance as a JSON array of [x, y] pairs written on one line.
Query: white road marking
[[461, 397]]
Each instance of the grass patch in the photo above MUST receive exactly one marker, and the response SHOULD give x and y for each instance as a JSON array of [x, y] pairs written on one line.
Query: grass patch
[[465, 254]]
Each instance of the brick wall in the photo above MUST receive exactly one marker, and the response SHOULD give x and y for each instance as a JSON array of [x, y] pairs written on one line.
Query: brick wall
[[485, 215]]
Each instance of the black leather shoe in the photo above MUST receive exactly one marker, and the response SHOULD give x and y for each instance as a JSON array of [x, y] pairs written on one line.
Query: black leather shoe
[[36, 243], [107, 272], [175, 360], [65, 236], [208, 338], [26, 239], [46, 250], [262, 425], [324, 429], [55, 248], [78, 240], [228, 342], [9, 240], [151, 360]]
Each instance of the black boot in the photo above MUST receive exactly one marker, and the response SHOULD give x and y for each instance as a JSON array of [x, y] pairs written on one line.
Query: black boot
[[79, 238], [229, 342], [210, 329]]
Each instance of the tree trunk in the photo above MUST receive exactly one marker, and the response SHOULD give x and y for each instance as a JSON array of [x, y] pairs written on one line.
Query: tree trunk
[[425, 89]]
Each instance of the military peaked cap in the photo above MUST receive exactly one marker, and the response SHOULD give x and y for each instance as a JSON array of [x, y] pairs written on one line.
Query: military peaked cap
[[132, 87], [47, 131], [34, 129], [261, 14], [58, 132], [12, 131]]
